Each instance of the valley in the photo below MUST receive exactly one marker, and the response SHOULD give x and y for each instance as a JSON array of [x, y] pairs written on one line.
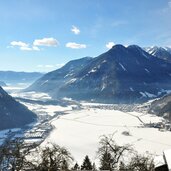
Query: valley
[[78, 125]]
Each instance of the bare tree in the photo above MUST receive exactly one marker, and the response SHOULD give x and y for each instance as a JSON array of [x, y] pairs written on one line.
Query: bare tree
[[13, 155], [54, 158], [139, 162], [110, 153]]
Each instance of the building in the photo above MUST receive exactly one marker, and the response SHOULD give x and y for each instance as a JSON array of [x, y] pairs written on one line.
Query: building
[[166, 162]]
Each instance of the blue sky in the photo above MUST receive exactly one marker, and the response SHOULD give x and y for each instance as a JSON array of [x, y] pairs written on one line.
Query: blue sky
[[42, 35]]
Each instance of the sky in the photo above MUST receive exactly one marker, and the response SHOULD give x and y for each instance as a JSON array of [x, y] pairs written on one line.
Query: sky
[[43, 35]]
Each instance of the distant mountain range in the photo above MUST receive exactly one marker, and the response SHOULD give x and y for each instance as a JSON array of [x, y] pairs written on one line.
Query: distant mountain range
[[12, 113], [121, 75], [160, 52], [12, 77]]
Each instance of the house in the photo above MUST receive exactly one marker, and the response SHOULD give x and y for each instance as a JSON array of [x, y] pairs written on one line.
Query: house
[[162, 168], [165, 162]]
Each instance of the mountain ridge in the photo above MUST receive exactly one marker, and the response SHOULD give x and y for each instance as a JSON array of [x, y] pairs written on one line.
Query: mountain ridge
[[162, 107], [122, 74], [14, 77], [59, 76], [13, 114]]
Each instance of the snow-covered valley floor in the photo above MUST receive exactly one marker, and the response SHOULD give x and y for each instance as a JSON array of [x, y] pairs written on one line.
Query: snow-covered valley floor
[[80, 129], [80, 132]]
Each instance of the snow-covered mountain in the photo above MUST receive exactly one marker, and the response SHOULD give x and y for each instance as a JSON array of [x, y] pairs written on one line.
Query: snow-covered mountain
[[52, 81], [160, 52], [168, 49], [12, 113], [119, 75]]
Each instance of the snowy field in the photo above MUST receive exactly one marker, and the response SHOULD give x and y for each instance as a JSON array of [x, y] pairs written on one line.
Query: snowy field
[[80, 132], [14, 88], [31, 95], [38, 109], [46, 109]]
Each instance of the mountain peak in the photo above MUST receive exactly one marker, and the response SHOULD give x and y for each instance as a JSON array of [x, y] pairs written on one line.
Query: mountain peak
[[160, 52], [134, 47], [118, 46]]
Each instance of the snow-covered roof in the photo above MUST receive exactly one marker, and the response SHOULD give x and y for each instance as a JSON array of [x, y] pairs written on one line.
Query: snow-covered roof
[[159, 161], [167, 156]]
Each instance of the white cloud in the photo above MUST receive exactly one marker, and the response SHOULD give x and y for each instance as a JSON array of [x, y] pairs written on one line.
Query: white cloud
[[35, 48], [19, 43], [46, 42], [50, 66], [23, 46], [109, 45], [45, 66], [60, 65], [75, 30], [74, 45], [38, 42]]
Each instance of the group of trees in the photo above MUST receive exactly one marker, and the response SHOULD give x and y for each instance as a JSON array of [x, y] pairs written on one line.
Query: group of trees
[[16, 156], [122, 158]]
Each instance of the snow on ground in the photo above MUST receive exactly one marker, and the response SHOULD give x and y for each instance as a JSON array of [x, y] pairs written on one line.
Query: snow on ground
[[33, 140], [147, 118], [15, 91], [10, 89], [46, 109], [31, 95], [37, 108], [15, 88], [147, 94], [122, 67], [167, 156], [5, 133], [80, 132], [94, 104]]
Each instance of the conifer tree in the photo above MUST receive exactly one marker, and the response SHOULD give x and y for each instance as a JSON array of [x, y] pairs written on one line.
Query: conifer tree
[[86, 164], [105, 161], [76, 167]]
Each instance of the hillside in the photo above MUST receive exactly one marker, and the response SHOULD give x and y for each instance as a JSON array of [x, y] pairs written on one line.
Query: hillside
[[12, 113], [2, 84], [162, 107]]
